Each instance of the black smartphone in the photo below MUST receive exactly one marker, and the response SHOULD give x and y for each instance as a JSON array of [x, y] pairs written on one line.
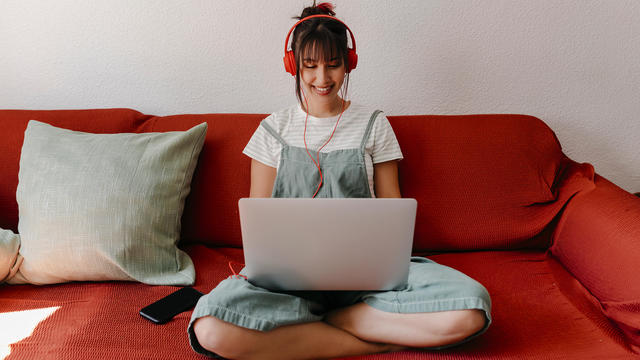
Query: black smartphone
[[171, 305]]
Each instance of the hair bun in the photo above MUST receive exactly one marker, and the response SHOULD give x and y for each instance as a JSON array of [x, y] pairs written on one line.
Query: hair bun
[[326, 8]]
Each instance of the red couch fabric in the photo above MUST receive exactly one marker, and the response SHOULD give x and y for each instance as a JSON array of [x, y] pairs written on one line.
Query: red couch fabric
[[486, 183], [539, 311], [598, 240]]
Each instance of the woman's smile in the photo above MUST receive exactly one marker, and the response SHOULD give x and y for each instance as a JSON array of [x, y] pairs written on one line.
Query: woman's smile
[[322, 91]]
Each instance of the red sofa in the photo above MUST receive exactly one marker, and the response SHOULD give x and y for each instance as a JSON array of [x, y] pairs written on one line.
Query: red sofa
[[556, 245]]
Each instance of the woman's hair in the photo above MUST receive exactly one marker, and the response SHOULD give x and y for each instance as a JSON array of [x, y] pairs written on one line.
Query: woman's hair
[[319, 39]]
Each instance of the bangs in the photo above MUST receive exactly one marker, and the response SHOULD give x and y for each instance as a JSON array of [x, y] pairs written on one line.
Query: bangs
[[321, 46]]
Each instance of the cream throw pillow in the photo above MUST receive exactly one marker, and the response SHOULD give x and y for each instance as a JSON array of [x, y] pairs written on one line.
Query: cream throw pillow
[[97, 207]]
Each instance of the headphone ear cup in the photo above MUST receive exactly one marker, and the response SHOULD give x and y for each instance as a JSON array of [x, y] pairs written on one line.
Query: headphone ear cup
[[290, 63], [353, 59]]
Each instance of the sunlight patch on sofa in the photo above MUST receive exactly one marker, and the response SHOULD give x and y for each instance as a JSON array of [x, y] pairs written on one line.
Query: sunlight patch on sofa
[[18, 325]]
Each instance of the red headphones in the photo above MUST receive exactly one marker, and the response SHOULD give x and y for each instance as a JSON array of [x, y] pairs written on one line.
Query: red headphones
[[290, 60]]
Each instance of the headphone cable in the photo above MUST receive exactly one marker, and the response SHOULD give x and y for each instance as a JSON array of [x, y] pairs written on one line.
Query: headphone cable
[[304, 138]]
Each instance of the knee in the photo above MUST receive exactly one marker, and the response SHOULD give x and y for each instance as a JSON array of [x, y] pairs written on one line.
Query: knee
[[470, 321], [461, 324], [222, 338]]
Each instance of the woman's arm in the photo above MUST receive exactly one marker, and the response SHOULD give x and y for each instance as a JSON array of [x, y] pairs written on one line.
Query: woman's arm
[[385, 179], [262, 179]]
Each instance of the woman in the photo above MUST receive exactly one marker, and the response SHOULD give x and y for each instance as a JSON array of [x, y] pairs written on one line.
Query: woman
[[326, 146]]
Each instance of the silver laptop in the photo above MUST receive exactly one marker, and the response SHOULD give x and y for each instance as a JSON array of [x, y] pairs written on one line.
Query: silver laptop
[[327, 244]]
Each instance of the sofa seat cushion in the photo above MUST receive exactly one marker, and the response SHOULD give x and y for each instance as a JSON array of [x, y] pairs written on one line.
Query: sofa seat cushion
[[539, 312]]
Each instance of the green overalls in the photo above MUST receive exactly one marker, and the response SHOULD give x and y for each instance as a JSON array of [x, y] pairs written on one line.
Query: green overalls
[[344, 171], [431, 287]]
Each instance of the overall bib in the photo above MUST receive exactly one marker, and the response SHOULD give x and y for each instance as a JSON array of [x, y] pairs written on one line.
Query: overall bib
[[344, 171], [431, 287]]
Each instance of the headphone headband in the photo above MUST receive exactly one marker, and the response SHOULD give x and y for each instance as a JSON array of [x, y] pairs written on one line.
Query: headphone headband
[[289, 59], [286, 42]]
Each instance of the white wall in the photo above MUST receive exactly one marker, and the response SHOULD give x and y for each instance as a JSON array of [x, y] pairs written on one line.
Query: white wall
[[573, 63]]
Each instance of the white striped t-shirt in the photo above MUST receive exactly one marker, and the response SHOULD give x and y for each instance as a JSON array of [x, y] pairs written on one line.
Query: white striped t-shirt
[[289, 123]]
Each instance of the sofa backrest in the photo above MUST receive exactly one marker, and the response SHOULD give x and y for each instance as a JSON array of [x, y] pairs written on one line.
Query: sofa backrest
[[484, 181], [481, 181]]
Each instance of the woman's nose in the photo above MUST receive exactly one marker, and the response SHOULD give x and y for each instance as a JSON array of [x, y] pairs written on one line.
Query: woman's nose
[[321, 74]]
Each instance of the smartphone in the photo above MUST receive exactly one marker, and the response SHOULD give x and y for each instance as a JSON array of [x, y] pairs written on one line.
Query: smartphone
[[171, 305]]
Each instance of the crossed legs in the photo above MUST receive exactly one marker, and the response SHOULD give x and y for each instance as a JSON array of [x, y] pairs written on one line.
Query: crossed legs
[[354, 330]]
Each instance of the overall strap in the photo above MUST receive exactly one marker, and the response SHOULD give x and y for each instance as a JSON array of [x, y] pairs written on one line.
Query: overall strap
[[264, 124], [367, 132]]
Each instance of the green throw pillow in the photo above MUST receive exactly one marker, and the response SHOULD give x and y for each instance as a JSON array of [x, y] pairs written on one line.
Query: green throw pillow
[[97, 207]]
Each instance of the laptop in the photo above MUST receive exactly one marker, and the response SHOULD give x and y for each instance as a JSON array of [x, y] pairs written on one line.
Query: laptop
[[327, 244]]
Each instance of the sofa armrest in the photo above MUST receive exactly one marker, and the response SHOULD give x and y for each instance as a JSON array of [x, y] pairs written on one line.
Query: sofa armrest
[[597, 239]]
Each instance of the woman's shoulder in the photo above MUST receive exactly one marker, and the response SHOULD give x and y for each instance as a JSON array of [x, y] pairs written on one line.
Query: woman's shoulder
[[364, 113], [363, 110], [280, 118]]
